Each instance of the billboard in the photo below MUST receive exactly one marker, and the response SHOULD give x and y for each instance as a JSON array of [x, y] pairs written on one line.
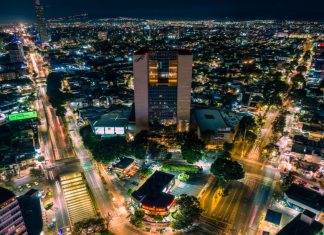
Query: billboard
[[22, 116], [109, 131]]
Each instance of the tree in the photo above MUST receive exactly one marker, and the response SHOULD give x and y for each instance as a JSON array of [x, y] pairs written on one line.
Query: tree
[[279, 124], [145, 172], [37, 173], [224, 154], [187, 211], [269, 149], [227, 169], [106, 150], [138, 218], [1, 46], [192, 148], [140, 144], [272, 99], [301, 69], [228, 146], [272, 91], [97, 225], [183, 177], [56, 97], [288, 180], [307, 55], [247, 123], [298, 80]]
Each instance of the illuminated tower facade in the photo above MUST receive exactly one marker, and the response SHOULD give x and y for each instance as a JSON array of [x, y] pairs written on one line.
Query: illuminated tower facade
[[41, 22], [162, 84]]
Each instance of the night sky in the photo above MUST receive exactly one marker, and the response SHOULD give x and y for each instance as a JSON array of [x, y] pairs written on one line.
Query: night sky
[[168, 9]]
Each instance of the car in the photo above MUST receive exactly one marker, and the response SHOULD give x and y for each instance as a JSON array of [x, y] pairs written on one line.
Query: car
[[28, 186], [36, 183]]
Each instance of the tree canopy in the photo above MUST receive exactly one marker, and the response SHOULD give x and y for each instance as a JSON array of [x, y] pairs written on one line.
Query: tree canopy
[[104, 149], [227, 169], [140, 145], [138, 218], [187, 211], [192, 148]]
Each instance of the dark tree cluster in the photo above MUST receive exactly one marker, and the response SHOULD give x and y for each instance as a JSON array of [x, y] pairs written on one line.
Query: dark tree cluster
[[188, 211], [192, 148]]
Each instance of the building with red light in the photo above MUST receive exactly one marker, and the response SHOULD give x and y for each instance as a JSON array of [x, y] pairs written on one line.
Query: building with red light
[[153, 196]]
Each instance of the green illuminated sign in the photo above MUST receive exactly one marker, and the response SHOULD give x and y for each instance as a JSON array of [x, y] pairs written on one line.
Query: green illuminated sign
[[22, 116]]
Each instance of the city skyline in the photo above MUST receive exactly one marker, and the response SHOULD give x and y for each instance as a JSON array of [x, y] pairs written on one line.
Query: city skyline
[[206, 9]]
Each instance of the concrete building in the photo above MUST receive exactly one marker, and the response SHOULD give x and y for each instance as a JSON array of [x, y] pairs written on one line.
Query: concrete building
[[124, 165], [77, 197], [162, 83], [114, 123], [305, 198], [302, 224], [215, 126], [11, 219]]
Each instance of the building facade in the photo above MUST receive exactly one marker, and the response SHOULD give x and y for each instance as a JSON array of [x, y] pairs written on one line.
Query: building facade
[[41, 22], [162, 83], [16, 52], [11, 219]]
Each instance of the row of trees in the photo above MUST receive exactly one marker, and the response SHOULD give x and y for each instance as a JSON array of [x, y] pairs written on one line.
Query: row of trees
[[91, 226], [106, 150], [279, 125], [55, 95], [112, 148]]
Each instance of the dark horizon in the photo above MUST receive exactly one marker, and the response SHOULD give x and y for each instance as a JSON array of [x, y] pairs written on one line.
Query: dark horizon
[[18, 10]]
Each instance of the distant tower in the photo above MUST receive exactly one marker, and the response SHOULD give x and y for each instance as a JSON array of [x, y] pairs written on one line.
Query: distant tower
[[162, 84], [41, 22], [102, 36], [147, 32]]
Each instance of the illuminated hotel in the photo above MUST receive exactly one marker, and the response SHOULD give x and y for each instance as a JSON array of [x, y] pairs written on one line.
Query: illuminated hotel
[[77, 198], [162, 84]]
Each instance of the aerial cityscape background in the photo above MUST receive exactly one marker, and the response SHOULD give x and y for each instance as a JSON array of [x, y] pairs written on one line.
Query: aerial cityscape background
[[166, 9], [164, 117]]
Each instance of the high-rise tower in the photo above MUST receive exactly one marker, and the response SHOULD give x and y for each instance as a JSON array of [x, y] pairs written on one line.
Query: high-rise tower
[[162, 83], [16, 52], [41, 22]]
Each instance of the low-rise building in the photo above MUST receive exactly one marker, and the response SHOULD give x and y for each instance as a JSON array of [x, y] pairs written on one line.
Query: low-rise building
[[114, 123], [124, 165], [215, 126], [305, 198], [302, 224], [153, 196]]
